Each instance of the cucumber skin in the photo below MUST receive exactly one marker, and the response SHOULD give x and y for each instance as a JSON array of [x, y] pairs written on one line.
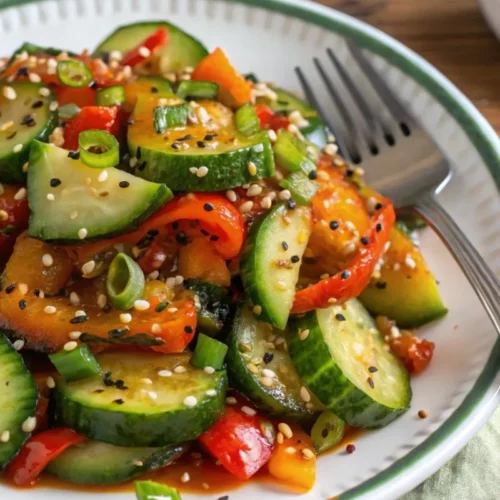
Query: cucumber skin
[[138, 429], [110, 473], [343, 398], [243, 381], [11, 166], [225, 170]]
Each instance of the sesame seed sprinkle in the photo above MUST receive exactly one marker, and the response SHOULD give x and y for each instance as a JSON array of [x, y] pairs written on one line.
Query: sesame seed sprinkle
[[70, 346], [209, 369], [141, 305], [9, 93], [88, 267], [21, 194], [29, 424], [49, 310], [5, 436], [47, 260], [125, 317], [82, 233], [75, 335], [164, 373], [18, 344], [50, 382], [248, 411], [190, 401]]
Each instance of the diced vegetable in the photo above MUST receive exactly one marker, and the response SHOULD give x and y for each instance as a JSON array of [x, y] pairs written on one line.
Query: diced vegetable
[[125, 282], [114, 95], [209, 353], [300, 186], [165, 117], [77, 364], [98, 149], [73, 73], [189, 89], [148, 490], [293, 154], [247, 121], [68, 111], [327, 432], [143, 50]]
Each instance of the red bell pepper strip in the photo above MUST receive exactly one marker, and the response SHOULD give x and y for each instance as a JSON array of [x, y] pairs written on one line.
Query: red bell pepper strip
[[91, 118], [151, 43], [237, 440], [270, 120], [350, 282], [38, 451]]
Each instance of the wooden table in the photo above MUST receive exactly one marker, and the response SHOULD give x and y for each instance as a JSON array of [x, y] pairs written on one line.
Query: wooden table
[[450, 34]]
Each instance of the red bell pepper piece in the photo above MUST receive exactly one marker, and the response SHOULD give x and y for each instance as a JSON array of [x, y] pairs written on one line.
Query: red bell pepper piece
[[350, 282], [91, 118], [237, 440], [13, 220], [416, 354], [38, 451], [81, 96], [151, 43], [269, 119]]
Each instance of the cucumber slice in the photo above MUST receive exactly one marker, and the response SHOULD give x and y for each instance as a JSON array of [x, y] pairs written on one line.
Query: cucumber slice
[[181, 50], [210, 140], [31, 119], [172, 409], [97, 206], [249, 344], [271, 260], [93, 462], [345, 363], [327, 432], [18, 399]]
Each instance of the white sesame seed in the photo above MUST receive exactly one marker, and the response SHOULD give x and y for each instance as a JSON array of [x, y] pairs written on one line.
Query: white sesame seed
[[284, 195], [308, 454], [49, 310], [409, 262], [102, 300], [266, 381], [34, 77], [50, 382], [153, 275], [248, 411], [304, 394], [74, 335], [88, 267], [331, 149], [266, 202], [290, 450], [6, 126], [303, 334], [138, 463], [73, 215], [141, 305], [50, 197], [132, 162], [153, 395], [190, 401], [18, 344], [41, 294], [246, 207], [29, 424], [146, 381], [268, 373], [209, 370], [47, 259], [74, 298], [20, 195], [202, 172], [82, 233], [5, 436], [144, 52], [70, 346], [254, 190], [4, 215], [272, 135], [193, 170], [164, 373], [44, 92], [179, 280], [231, 196], [125, 317], [211, 392], [23, 288], [185, 478], [180, 369], [231, 401], [156, 328], [170, 282], [103, 176], [395, 333], [286, 430], [80, 312], [172, 309], [53, 106], [9, 93], [252, 168]]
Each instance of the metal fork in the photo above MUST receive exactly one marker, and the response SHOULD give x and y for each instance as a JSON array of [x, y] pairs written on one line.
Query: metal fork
[[400, 160]]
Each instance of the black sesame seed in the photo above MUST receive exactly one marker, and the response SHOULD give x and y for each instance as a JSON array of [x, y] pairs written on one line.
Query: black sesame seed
[[268, 357], [284, 244], [93, 85], [98, 391], [37, 104], [378, 206], [372, 369], [120, 384], [142, 166], [339, 317], [295, 259], [334, 225], [174, 145], [325, 432], [204, 232], [365, 240], [188, 329], [116, 333], [153, 232], [214, 237], [74, 155], [185, 138], [118, 401], [291, 204], [349, 172], [36, 292], [22, 304], [22, 71], [55, 182], [28, 121], [208, 207], [209, 137], [124, 184], [313, 174], [200, 144], [378, 227], [370, 382], [345, 274], [11, 136], [78, 319], [225, 497], [10, 288], [154, 90], [381, 285], [181, 238], [175, 226]]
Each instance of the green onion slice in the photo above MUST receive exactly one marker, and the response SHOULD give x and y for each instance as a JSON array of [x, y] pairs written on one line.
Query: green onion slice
[[247, 121], [197, 90], [74, 73], [99, 149], [209, 352], [77, 364], [149, 490], [68, 111], [165, 117], [113, 95], [125, 282], [327, 431]]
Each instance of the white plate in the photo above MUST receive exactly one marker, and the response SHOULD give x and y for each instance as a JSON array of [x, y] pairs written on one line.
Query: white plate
[[270, 37]]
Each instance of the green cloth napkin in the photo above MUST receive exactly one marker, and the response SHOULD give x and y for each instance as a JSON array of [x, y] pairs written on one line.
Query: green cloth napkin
[[473, 474]]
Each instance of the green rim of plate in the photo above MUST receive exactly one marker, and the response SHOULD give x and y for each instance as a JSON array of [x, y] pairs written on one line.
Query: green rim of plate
[[477, 129]]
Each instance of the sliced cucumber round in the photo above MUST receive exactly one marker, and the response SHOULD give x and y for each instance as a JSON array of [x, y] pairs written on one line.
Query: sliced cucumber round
[[18, 398], [93, 462], [181, 50], [25, 116], [155, 404], [271, 259], [250, 351], [346, 364], [207, 155], [71, 202]]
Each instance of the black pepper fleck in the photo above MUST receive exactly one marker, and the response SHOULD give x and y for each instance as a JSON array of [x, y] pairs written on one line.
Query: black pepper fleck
[[37, 104], [78, 319], [118, 401]]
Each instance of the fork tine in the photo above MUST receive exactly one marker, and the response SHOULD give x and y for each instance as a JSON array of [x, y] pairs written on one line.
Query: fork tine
[[395, 107], [313, 100]]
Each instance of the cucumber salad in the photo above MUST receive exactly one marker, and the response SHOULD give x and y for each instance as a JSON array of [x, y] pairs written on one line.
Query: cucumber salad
[[190, 273]]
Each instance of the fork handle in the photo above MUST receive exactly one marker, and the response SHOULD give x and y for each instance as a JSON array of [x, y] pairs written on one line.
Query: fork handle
[[481, 277]]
